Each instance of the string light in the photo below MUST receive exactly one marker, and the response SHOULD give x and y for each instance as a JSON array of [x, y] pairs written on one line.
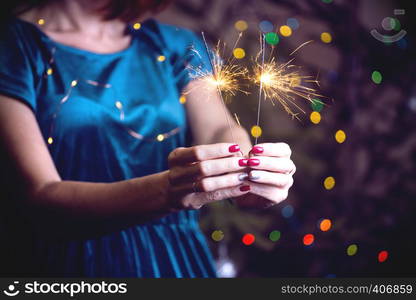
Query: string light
[[325, 224], [41, 22], [352, 249], [161, 58], [137, 26], [340, 136], [382, 256], [326, 37], [182, 99], [315, 117], [118, 104]]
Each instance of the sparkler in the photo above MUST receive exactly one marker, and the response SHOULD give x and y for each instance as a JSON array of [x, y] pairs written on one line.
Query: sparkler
[[224, 76], [282, 83]]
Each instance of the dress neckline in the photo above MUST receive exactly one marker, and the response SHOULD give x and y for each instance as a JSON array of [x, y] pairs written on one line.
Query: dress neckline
[[81, 51]]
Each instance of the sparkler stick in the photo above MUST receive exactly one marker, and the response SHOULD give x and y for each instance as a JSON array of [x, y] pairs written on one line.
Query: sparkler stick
[[262, 52], [218, 83]]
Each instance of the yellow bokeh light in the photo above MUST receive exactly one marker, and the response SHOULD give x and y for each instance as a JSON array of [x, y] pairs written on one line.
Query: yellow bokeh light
[[329, 183], [137, 26], [74, 83], [352, 250], [49, 71], [239, 53], [161, 58], [315, 117], [119, 105], [340, 136], [217, 235], [285, 30], [325, 224], [50, 140], [241, 25], [182, 99], [256, 131], [160, 137], [326, 37], [41, 21]]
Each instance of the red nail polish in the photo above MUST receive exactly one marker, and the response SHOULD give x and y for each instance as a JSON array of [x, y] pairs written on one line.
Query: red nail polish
[[244, 188], [243, 162], [234, 148], [257, 150], [253, 162]]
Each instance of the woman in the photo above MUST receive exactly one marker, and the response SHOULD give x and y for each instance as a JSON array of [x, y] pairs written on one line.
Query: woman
[[102, 179]]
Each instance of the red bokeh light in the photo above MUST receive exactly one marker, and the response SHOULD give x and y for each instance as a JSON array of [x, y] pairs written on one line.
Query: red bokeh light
[[308, 239], [248, 239], [382, 256]]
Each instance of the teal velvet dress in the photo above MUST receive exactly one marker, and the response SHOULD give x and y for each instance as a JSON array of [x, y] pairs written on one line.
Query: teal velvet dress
[[106, 118]]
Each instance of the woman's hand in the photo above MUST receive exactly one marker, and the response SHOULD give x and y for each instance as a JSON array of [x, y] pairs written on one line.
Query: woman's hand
[[270, 175], [202, 174]]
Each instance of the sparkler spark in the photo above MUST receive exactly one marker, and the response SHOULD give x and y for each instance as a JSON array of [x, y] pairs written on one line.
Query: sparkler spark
[[225, 75], [284, 83]]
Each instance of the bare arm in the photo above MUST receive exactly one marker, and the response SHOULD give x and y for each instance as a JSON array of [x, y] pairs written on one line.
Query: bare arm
[[61, 205], [208, 118]]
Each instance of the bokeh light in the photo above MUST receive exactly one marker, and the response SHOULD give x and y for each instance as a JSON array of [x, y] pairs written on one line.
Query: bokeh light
[[41, 21], [266, 26], [256, 131], [274, 236], [241, 25], [287, 211], [182, 99], [137, 26], [317, 105], [352, 249], [272, 38], [248, 239], [376, 77], [285, 30], [326, 37], [160, 137], [217, 235], [308, 239], [161, 58], [239, 53], [50, 140], [329, 183], [340, 136], [49, 71], [315, 117], [325, 224], [292, 23], [382, 256]]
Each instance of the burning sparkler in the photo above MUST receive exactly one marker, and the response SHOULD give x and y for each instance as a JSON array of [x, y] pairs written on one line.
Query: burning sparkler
[[282, 83], [224, 77]]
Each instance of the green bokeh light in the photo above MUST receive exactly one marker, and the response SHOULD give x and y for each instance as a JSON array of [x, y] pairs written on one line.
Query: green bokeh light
[[272, 38], [376, 77], [274, 236], [317, 105]]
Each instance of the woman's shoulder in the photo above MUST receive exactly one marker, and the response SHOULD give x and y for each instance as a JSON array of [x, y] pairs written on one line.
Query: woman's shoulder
[[166, 36]]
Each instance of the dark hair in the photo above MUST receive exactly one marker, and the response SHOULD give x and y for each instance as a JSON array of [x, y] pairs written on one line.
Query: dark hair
[[126, 10]]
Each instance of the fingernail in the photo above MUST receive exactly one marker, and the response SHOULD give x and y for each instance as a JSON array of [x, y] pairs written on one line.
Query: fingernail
[[257, 150], [234, 148], [253, 176], [253, 162], [244, 188], [243, 162], [242, 176]]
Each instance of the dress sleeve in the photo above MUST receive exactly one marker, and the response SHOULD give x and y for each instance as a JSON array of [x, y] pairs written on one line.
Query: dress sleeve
[[16, 72]]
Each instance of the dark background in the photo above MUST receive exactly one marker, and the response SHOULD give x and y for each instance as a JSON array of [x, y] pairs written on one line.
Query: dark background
[[372, 203]]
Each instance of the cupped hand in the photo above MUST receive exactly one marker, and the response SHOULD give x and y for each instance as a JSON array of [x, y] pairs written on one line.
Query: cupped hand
[[202, 174], [270, 175]]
